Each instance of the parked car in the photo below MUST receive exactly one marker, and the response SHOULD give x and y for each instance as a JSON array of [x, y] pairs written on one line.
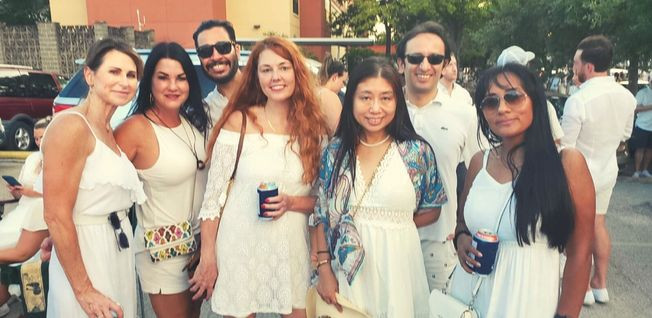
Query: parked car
[[26, 95]]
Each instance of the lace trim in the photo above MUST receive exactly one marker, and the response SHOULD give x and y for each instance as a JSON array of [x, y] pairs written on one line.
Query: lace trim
[[222, 163], [360, 182], [381, 214]]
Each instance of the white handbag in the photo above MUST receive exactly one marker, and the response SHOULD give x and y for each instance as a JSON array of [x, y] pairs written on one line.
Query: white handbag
[[446, 306]]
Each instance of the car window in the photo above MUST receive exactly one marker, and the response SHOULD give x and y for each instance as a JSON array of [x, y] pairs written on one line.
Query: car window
[[41, 85], [76, 86], [12, 83]]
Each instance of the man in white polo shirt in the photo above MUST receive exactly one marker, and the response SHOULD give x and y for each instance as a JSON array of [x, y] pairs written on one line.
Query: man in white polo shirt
[[597, 118], [218, 54], [448, 86], [642, 136], [448, 127]]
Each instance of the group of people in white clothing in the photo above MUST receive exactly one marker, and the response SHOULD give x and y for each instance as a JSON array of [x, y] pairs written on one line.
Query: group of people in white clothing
[[367, 208]]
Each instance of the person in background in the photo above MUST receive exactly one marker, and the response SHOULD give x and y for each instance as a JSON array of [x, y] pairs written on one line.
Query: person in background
[[597, 118], [333, 75], [23, 229], [642, 135], [515, 54], [264, 265], [88, 185], [165, 139], [448, 86], [538, 200]]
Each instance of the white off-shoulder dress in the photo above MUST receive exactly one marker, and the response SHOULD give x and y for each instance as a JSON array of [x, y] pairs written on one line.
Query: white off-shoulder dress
[[264, 266]]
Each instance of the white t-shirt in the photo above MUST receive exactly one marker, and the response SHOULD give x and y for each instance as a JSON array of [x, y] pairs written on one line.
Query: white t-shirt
[[215, 102], [458, 93], [596, 119], [450, 128], [644, 119]]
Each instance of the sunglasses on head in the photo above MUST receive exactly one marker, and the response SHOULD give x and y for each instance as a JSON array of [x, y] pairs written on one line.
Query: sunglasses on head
[[222, 47], [120, 235], [433, 59], [512, 97]]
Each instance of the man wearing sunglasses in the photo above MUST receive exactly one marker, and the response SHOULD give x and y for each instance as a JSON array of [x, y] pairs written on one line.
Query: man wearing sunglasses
[[218, 54], [597, 118], [448, 126]]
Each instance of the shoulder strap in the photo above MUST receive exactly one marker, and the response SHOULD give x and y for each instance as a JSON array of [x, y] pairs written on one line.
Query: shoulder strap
[[243, 130], [485, 159]]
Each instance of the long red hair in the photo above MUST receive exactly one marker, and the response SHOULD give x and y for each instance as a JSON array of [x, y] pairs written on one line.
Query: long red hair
[[307, 125]]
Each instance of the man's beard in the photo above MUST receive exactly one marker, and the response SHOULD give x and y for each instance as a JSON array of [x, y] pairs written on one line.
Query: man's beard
[[225, 79], [581, 77]]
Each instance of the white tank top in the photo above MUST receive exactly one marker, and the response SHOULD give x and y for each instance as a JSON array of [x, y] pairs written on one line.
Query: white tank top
[[173, 185]]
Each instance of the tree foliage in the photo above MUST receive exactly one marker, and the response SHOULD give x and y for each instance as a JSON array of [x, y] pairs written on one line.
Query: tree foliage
[[22, 12]]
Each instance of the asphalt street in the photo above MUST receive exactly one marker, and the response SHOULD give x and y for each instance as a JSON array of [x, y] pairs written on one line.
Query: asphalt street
[[629, 220]]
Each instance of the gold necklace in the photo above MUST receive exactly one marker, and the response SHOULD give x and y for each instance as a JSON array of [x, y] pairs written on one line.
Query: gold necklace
[[269, 122]]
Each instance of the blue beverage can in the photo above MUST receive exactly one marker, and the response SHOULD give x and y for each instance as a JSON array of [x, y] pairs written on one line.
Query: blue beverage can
[[486, 242], [265, 190]]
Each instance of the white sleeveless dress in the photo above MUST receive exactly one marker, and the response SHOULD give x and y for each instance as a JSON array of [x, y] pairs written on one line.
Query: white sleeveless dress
[[174, 189], [392, 280], [108, 183], [525, 280], [264, 266]]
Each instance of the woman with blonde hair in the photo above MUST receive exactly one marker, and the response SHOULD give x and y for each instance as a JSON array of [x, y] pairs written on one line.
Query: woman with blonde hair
[[263, 261]]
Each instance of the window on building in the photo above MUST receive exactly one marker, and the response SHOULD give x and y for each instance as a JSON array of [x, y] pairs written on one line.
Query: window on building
[[295, 6]]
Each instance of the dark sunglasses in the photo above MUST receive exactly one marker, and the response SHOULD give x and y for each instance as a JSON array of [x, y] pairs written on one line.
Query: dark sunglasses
[[120, 235], [433, 59], [222, 47], [511, 97]]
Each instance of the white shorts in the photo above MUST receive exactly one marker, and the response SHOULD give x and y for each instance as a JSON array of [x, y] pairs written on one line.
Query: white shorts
[[440, 259], [602, 198], [165, 277]]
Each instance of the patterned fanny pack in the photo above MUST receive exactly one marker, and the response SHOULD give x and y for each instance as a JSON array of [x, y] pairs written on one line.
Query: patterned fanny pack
[[169, 241]]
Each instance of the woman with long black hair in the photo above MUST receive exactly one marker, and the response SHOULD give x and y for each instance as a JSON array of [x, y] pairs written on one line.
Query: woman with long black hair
[[165, 140], [539, 200], [378, 181]]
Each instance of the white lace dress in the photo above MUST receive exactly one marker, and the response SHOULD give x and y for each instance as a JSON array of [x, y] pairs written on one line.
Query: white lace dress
[[263, 266], [392, 279]]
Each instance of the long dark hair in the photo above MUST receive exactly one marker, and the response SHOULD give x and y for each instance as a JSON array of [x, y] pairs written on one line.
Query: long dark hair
[[193, 109], [540, 186], [349, 130]]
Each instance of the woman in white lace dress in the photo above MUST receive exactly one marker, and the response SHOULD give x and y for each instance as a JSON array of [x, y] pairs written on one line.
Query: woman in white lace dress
[[378, 181], [263, 264], [541, 202], [88, 184]]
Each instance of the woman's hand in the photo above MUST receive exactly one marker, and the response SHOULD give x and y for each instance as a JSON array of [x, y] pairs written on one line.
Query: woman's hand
[[204, 278], [464, 248], [16, 191], [46, 249], [95, 304], [277, 205], [327, 286]]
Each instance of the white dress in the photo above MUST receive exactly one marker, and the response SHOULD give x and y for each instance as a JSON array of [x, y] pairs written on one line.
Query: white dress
[[525, 280], [12, 221], [264, 266], [108, 183], [174, 189], [392, 279]]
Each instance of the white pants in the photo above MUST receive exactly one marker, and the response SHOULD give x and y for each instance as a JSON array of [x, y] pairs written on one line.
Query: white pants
[[440, 259]]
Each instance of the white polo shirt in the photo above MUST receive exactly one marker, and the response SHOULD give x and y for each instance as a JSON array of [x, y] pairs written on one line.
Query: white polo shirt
[[596, 119], [215, 102], [450, 128], [458, 93], [644, 119]]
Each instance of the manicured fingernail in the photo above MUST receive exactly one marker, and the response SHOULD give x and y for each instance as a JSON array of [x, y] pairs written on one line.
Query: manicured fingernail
[[479, 254]]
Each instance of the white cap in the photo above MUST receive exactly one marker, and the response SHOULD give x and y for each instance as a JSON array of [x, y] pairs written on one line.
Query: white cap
[[514, 54]]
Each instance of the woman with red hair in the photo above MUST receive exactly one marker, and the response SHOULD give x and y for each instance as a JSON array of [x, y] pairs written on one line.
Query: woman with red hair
[[263, 263]]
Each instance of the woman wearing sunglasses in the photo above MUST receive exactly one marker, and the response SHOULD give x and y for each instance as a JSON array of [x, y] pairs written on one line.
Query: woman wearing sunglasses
[[165, 140], [88, 184], [378, 181], [539, 200]]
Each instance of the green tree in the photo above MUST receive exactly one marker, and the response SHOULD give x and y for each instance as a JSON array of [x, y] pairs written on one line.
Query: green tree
[[21, 12]]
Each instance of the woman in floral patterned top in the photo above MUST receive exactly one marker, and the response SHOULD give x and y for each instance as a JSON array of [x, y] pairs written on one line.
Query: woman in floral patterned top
[[378, 181]]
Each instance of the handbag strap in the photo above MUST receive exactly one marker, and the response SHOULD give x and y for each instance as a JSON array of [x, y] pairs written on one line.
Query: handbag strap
[[243, 130]]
